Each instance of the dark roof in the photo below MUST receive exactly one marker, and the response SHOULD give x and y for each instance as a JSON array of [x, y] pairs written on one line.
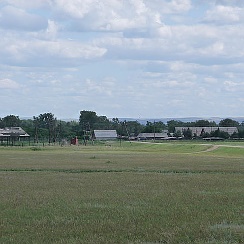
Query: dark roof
[[13, 132]]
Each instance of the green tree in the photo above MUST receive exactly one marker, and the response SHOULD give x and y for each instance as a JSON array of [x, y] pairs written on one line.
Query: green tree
[[177, 134], [241, 133], [1, 123], [187, 133], [134, 127], [229, 123], [205, 123], [87, 119], [220, 134], [155, 127], [28, 126], [70, 129], [171, 124], [11, 121], [48, 122], [235, 135], [102, 123], [125, 128]]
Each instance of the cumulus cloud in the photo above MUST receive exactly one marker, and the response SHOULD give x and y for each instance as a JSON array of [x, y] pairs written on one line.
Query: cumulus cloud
[[8, 84], [116, 15], [36, 52], [105, 86], [128, 53], [18, 19], [230, 2], [27, 4], [224, 15]]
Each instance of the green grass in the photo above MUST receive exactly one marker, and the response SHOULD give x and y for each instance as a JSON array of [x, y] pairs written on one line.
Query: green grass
[[133, 193]]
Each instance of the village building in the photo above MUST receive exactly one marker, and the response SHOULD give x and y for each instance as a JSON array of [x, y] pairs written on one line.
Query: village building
[[10, 135], [153, 136], [198, 131], [105, 134]]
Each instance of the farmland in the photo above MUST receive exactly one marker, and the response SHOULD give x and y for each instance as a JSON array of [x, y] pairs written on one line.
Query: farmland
[[179, 192]]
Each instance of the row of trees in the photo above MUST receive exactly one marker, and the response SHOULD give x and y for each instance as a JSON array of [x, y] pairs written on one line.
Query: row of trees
[[187, 134], [48, 126]]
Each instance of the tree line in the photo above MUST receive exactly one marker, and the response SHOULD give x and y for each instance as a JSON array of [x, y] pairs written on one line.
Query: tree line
[[47, 126]]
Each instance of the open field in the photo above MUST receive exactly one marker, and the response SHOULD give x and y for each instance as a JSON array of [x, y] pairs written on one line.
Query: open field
[[179, 192]]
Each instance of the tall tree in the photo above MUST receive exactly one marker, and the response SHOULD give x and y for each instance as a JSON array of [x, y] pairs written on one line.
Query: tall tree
[[1, 123], [171, 124], [87, 119], [152, 127], [11, 121], [36, 124], [102, 123], [187, 133], [204, 123], [229, 123], [48, 121]]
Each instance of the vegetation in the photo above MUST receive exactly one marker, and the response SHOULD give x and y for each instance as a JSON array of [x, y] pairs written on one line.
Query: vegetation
[[176, 192], [47, 126]]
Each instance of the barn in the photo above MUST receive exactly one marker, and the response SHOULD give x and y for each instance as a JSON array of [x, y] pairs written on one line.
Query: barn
[[10, 135], [105, 134], [153, 136]]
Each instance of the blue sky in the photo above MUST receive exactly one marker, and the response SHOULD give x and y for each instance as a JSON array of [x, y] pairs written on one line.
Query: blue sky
[[131, 58]]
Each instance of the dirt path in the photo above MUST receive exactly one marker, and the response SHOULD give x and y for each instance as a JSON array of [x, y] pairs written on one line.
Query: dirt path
[[212, 148]]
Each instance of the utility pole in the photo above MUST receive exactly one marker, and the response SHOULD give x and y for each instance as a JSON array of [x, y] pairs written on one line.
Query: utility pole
[[154, 130]]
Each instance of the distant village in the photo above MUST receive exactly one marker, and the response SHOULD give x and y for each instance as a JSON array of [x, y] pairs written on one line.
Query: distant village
[[46, 128]]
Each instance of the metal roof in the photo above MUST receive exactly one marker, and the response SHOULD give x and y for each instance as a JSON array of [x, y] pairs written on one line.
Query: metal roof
[[13, 131], [152, 135], [105, 134]]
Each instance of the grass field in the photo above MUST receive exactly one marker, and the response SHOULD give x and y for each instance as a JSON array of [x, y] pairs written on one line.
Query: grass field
[[179, 193]]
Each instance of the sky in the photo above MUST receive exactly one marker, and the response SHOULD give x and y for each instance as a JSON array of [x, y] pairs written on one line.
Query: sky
[[122, 58]]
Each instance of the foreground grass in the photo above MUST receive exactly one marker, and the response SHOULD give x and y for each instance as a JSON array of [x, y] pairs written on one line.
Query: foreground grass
[[142, 193]]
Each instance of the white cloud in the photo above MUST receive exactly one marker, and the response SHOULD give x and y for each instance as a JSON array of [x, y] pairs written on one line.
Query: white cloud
[[170, 7], [116, 15], [28, 4], [232, 86], [224, 14], [230, 2], [128, 54], [36, 52], [106, 86], [19, 19], [8, 84], [52, 30]]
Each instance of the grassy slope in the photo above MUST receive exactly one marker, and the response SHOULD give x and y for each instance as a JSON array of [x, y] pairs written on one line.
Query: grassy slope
[[136, 193]]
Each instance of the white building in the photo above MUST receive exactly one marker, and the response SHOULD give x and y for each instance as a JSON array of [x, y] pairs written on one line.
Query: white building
[[105, 134], [153, 136], [200, 130]]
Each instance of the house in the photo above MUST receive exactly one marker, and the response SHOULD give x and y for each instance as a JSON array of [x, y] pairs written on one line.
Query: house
[[105, 134], [153, 136], [198, 131], [12, 134]]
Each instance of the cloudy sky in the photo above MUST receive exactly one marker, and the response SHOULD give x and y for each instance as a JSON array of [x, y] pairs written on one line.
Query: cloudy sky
[[122, 58]]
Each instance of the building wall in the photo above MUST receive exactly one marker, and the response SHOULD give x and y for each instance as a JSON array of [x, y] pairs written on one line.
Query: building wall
[[198, 130], [105, 134]]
